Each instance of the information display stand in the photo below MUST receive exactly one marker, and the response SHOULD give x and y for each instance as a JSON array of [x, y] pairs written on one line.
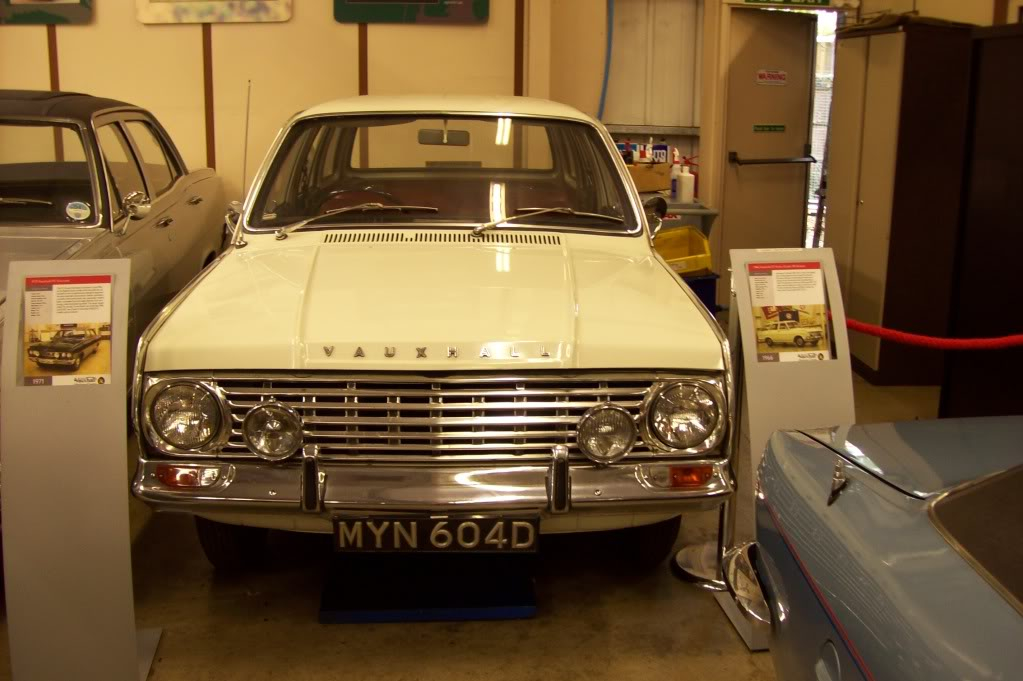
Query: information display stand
[[790, 356], [63, 449]]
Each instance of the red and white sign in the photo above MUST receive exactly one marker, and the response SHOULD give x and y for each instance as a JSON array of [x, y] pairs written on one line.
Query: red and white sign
[[772, 77]]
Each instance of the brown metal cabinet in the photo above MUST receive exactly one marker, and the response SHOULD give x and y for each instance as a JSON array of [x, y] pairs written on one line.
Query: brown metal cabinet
[[894, 177], [986, 298]]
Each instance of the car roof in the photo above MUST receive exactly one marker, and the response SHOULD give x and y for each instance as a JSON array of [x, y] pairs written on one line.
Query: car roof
[[471, 104], [55, 104]]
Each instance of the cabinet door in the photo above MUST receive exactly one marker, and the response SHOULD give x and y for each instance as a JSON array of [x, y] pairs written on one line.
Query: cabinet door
[[882, 103], [844, 153]]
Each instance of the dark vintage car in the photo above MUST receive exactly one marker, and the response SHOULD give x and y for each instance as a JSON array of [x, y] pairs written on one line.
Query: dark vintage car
[[890, 551], [68, 348], [85, 177]]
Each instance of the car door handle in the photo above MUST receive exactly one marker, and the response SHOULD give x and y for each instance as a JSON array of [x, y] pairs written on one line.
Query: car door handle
[[164, 222], [195, 201]]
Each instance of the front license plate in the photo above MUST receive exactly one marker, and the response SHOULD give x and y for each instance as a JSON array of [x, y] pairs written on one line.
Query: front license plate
[[402, 534]]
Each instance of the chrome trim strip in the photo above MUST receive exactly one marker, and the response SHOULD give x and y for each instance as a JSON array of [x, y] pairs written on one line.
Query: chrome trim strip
[[351, 487]]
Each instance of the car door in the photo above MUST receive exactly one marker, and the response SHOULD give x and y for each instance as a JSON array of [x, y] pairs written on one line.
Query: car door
[[181, 213], [140, 240]]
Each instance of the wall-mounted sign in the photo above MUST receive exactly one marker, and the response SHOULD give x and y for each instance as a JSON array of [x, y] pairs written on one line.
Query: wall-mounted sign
[[412, 12], [45, 11], [772, 77], [768, 127], [790, 311], [211, 11]]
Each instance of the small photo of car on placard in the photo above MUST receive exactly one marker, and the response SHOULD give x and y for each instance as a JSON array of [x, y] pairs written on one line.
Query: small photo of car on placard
[[792, 332], [67, 354]]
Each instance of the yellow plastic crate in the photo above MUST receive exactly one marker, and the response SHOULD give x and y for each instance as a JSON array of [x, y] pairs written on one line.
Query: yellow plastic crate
[[685, 249]]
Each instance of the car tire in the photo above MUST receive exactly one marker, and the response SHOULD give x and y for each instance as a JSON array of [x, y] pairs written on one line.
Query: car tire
[[768, 342], [798, 340], [230, 548], [647, 546]]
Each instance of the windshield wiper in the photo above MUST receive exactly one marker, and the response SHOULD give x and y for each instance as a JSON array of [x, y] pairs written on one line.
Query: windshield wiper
[[362, 207], [523, 213], [18, 201]]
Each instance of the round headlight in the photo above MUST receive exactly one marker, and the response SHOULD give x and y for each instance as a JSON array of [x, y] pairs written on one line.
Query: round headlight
[[272, 431], [185, 415], [606, 433], [684, 415]]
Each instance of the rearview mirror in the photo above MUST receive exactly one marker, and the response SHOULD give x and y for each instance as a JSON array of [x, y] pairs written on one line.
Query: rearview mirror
[[655, 208], [448, 138]]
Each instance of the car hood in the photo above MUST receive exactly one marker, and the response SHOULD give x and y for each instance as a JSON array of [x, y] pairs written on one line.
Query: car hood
[[37, 243], [924, 458], [561, 301]]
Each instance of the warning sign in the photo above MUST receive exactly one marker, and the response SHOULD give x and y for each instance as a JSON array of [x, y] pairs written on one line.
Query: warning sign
[[772, 77]]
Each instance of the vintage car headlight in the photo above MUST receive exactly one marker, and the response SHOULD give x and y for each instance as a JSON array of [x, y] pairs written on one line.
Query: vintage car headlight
[[185, 415], [606, 433], [684, 415], [272, 431]]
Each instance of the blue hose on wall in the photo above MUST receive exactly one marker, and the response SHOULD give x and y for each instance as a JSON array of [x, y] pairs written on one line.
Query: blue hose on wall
[[607, 57]]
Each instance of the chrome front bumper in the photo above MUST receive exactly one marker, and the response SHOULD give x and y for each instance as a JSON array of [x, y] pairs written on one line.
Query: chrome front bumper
[[327, 489]]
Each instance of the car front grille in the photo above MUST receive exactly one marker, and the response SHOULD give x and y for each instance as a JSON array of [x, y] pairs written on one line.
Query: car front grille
[[454, 416]]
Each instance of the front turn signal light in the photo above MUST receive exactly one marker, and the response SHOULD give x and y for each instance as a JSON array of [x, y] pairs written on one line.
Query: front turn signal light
[[187, 477], [688, 477]]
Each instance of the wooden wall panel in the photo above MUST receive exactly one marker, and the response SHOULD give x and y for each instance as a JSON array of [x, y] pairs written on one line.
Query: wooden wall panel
[[24, 64], [292, 66], [474, 60], [156, 67]]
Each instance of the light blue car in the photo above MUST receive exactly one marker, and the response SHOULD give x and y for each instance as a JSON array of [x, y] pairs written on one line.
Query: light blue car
[[890, 551]]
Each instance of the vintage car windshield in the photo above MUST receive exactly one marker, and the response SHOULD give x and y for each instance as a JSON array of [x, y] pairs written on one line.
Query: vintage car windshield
[[469, 169], [45, 176]]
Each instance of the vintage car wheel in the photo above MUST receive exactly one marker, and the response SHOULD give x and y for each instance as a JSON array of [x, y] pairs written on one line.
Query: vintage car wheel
[[768, 342], [798, 340], [230, 547], [647, 546]]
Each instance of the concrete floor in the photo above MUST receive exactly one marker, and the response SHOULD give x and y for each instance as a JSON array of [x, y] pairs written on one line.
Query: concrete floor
[[596, 620]]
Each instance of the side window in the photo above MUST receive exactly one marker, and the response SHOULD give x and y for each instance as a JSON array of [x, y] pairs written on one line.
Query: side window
[[158, 168], [120, 163]]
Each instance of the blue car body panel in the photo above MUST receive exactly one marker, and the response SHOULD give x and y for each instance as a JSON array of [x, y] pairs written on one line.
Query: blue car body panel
[[870, 574]]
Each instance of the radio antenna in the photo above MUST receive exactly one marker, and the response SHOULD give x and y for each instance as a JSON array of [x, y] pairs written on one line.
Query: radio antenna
[[245, 143]]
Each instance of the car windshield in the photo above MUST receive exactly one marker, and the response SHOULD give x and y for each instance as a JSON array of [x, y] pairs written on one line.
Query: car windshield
[[70, 334], [44, 175], [441, 170]]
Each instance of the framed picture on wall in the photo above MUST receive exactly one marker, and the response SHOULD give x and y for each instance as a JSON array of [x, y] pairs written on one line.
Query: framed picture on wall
[[412, 11], [211, 11], [45, 11]]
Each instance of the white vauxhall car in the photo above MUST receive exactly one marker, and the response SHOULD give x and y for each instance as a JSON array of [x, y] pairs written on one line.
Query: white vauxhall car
[[440, 326]]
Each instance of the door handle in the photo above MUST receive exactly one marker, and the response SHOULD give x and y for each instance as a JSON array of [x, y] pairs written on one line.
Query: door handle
[[733, 157], [164, 222], [195, 201]]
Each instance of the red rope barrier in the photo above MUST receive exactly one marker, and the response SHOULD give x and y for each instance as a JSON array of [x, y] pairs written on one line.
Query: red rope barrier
[[999, 343]]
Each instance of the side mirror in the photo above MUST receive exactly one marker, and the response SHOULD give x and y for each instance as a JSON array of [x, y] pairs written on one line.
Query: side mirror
[[655, 208], [136, 206]]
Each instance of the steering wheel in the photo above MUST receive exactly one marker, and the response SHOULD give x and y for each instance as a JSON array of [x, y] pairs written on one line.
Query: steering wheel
[[345, 198]]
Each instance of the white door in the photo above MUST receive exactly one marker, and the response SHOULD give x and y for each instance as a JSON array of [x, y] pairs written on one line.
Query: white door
[[767, 132]]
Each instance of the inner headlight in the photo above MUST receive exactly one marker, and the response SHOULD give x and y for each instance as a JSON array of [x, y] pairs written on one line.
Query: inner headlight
[[272, 431], [684, 415], [185, 415], [606, 433]]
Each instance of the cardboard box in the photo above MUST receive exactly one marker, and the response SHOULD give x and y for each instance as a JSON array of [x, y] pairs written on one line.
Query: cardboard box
[[651, 177]]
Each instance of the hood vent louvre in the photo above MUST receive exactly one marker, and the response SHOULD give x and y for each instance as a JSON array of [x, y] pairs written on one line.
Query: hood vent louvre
[[440, 238]]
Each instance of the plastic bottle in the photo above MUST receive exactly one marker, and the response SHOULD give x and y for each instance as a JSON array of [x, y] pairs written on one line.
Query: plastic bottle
[[687, 186], [676, 176]]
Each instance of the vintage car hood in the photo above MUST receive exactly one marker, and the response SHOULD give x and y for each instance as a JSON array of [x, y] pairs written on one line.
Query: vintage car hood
[[923, 458], [564, 302], [38, 243]]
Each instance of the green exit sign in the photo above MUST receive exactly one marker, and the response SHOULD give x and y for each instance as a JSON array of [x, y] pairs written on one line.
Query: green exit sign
[[768, 127]]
